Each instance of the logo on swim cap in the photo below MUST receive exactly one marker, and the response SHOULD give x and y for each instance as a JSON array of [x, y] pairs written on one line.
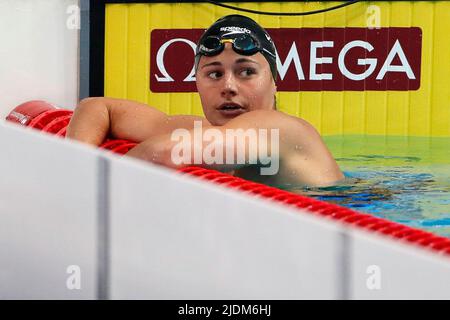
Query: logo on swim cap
[[235, 29]]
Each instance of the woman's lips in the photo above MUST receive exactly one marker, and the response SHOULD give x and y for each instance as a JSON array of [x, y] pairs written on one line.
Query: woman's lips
[[231, 110]]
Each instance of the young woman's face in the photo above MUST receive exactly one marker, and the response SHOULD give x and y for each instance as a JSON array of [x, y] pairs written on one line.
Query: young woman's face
[[230, 84]]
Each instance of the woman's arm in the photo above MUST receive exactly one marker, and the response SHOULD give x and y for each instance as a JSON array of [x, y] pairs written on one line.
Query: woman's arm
[[296, 151], [96, 118]]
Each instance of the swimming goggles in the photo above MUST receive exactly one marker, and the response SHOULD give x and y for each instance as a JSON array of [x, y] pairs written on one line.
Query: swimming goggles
[[244, 44]]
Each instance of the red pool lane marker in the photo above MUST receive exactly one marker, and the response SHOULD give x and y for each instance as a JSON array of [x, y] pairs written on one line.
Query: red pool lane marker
[[112, 144], [57, 124], [62, 132], [124, 148], [27, 111], [361, 220], [48, 116]]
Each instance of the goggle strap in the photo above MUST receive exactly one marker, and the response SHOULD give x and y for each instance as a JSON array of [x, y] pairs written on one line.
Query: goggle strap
[[269, 53]]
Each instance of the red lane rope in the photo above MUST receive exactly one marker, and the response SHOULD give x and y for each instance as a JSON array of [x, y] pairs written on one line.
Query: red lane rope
[[57, 124], [46, 117], [55, 121]]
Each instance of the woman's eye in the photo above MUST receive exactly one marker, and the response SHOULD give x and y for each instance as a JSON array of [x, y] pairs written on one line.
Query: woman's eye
[[215, 75], [247, 72]]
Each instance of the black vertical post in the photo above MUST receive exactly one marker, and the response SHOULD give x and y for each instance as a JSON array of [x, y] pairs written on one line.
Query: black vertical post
[[96, 47]]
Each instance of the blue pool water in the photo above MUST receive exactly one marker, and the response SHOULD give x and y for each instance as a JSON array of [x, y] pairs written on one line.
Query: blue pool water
[[403, 179]]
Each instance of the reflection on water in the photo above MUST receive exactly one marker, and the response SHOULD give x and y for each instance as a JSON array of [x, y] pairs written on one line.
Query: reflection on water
[[403, 180]]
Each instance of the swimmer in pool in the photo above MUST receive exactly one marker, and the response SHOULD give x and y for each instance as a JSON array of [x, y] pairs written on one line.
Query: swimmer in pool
[[235, 76]]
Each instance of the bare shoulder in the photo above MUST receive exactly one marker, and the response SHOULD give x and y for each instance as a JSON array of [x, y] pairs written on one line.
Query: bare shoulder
[[295, 121], [286, 123], [304, 157], [297, 136], [269, 118]]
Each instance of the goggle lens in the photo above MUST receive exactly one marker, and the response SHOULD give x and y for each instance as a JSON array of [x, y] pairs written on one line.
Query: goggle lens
[[245, 44], [212, 43]]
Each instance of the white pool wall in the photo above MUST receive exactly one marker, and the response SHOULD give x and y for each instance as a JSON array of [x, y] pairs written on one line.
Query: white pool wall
[[39, 55], [138, 231]]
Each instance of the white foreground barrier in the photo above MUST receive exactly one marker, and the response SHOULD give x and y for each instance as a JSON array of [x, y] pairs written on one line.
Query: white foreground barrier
[[135, 230], [48, 220]]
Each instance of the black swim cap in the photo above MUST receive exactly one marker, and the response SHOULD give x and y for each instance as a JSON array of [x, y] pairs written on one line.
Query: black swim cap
[[235, 25]]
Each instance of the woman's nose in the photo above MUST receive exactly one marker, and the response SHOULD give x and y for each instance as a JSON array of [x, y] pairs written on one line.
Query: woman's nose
[[229, 86]]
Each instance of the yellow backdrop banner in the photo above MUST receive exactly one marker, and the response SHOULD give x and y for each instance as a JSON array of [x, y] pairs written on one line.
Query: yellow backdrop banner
[[422, 112]]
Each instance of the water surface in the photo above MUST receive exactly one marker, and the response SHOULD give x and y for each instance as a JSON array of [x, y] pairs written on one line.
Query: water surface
[[403, 179]]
